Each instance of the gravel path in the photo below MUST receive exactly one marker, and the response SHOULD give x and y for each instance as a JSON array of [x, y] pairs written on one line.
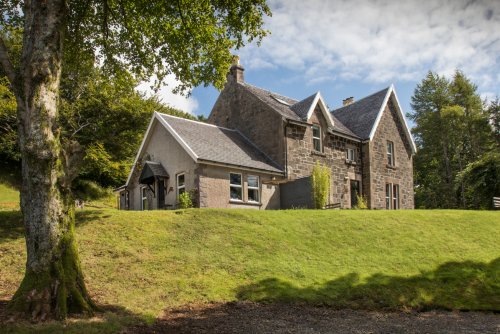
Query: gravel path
[[247, 317]]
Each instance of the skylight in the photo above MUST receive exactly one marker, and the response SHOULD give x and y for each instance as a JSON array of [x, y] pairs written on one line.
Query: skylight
[[280, 100]]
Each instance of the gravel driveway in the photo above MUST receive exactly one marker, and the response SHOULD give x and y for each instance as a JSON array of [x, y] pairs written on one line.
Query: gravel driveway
[[248, 317]]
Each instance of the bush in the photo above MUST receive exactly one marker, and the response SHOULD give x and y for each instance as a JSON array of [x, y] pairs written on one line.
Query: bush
[[185, 201], [362, 204], [320, 182]]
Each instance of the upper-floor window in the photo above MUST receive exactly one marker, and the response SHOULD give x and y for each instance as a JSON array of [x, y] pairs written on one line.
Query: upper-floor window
[[390, 153], [253, 188], [235, 187], [316, 138], [350, 154], [181, 184]]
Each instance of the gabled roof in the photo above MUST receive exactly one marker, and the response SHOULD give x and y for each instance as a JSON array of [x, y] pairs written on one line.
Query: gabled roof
[[290, 108], [151, 170], [362, 117], [207, 143]]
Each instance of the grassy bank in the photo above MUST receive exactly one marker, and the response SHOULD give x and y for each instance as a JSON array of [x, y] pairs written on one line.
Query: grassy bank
[[142, 262]]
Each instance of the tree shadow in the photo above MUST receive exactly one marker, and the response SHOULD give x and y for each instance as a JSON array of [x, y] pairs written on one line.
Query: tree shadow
[[465, 285], [11, 225]]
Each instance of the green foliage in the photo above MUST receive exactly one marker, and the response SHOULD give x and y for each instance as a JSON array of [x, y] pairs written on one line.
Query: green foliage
[[493, 110], [89, 190], [362, 203], [320, 183], [451, 130], [185, 201], [481, 180], [8, 122]]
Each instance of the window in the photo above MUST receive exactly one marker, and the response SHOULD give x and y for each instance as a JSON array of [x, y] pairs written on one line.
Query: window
[[350, 154], [392, 196], [235, 191], [388, 195], [395, 196], [253, 188], [144, 199], [316, 138], [390, 153], [181, 185]]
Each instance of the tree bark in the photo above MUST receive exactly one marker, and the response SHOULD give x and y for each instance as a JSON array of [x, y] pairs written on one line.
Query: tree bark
[[53, 284]]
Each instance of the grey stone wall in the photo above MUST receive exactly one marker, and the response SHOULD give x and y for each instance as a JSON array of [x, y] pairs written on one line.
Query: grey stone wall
[[302, 157], [389, 128], [236, 108]]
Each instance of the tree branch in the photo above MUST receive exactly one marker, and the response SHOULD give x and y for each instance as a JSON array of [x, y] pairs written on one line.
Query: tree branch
[[6, 63]]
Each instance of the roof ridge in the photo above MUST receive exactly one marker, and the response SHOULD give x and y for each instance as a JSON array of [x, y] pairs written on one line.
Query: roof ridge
[[198, 122], [380, 91], [267, 90]]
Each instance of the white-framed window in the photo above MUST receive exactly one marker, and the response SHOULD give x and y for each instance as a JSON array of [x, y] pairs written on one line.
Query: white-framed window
[[235, 187], [391, 196], [253, 188], [144, 198], [350, 154], [395, 196], [316, 138], [181, 184], [390, 153], [388, 195]]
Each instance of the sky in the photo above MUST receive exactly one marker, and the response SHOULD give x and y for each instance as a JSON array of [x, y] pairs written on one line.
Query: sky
[[346, 48]]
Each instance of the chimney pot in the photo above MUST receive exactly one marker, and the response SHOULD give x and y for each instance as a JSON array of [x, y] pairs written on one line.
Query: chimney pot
[[348, 101]]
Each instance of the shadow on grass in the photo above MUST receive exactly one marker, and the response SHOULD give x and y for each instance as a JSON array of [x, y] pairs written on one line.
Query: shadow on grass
[[454, 285], [11, 224]]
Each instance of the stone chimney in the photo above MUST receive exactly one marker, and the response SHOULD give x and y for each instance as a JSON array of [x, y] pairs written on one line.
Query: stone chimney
[[236, 70], [348, 101]]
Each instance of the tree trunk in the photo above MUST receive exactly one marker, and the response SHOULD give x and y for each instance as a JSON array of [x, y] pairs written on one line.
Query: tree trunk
[[53, 284]]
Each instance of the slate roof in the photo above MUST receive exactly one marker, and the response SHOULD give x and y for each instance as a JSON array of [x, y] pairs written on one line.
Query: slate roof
[[301, 108], [272, 100], [360, 116], [218, 144], [156, 168]]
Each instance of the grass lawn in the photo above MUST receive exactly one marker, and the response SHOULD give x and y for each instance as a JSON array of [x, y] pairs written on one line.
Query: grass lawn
[[9, 197], [142, 262]]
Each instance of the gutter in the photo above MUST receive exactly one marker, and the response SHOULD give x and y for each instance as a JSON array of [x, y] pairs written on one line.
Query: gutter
[[251, 169]]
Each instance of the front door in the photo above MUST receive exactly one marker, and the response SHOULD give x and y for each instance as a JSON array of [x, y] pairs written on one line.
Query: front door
[[161, 193], [354, 193]]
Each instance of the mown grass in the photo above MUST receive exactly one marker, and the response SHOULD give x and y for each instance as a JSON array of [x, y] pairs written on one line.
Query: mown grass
[[142, 262], [9, 197]]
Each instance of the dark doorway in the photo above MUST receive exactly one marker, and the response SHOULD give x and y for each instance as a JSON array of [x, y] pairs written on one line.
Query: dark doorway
[[354, 193], [161, 193]]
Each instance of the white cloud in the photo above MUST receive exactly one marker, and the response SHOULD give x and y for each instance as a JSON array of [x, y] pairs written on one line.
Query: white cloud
[[382, 40], [189, 105]]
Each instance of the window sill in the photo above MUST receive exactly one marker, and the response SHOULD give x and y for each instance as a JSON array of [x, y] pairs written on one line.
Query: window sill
[[350, 162], [233, 201], [391, 167], [320, 154]]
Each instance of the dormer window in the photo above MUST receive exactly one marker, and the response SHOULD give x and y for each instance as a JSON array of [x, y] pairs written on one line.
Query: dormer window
[[317, 138]]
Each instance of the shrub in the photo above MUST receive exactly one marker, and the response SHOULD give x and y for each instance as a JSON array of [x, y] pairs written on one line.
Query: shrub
[[362, 204], [185, 201], [320, 182]]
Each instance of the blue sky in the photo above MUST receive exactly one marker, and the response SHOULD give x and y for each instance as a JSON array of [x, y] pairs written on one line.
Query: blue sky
[[357, 47]]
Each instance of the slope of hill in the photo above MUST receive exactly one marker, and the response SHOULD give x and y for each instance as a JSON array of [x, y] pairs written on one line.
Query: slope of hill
[[145, 261]]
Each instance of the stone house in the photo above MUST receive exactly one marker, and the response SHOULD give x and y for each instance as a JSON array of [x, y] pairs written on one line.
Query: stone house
[[258, 150]]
